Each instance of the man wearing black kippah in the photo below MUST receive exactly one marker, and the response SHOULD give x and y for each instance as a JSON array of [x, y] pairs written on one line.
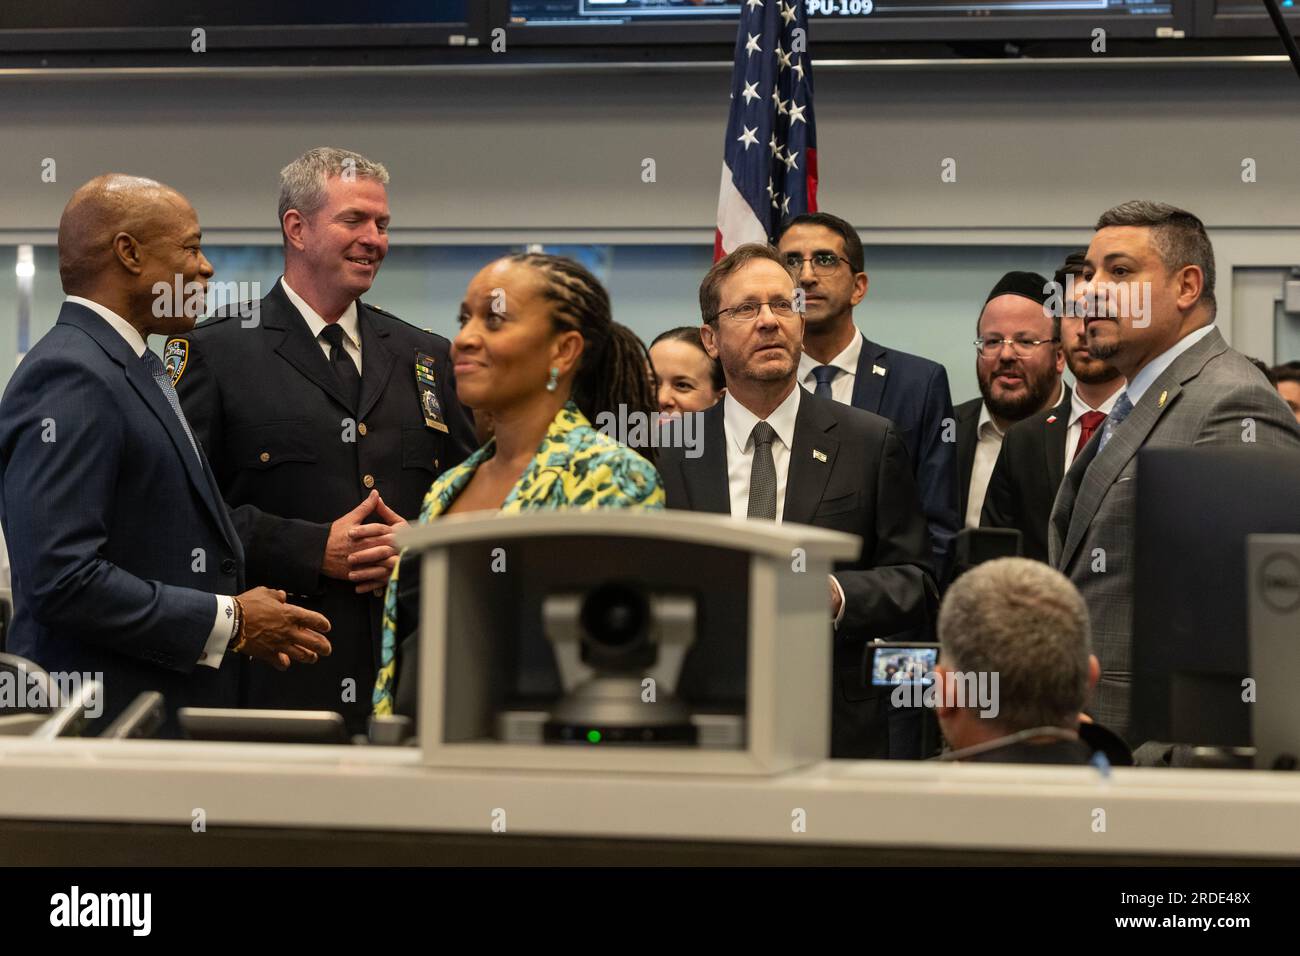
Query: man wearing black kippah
[[1037, 451], [1019, 364]]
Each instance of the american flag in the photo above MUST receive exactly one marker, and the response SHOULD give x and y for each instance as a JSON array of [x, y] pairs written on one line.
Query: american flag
[[769, 164]]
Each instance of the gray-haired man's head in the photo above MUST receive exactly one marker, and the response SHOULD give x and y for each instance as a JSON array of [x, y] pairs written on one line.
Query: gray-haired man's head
[[334, 218], [1026, 623]]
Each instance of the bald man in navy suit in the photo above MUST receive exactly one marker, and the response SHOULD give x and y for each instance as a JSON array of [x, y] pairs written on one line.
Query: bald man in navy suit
[[125, 561]]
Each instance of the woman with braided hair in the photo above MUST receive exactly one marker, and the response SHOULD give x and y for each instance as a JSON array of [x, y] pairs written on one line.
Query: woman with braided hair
[[538, 351]]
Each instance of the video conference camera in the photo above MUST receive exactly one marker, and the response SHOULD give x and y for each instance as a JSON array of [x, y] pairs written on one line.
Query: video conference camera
[[666, 642], [619, 652]]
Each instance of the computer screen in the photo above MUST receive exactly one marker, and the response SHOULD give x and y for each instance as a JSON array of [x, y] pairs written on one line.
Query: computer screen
[[1195, 508], [77, 14], [613, 12], [234, 25]]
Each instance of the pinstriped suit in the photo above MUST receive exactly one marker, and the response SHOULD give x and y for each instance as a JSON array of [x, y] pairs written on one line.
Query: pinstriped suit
[[1208, 391]]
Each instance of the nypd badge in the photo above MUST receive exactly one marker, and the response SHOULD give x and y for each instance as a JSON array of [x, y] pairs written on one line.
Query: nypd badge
[[427, 386], [176, 355]]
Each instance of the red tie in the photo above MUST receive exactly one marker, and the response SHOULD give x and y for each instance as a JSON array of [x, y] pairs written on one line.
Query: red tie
[[1089, 422]]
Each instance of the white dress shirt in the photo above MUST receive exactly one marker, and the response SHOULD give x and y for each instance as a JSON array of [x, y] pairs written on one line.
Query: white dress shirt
[[738, 422], [1077, 409], [347, 322], [223, 626], [988, 443], [846, 362]]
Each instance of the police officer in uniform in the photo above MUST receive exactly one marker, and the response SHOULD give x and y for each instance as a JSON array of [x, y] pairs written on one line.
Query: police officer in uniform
[[325, 420]]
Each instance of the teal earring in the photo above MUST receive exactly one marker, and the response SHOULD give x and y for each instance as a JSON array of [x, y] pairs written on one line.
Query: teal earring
[[553, 382]]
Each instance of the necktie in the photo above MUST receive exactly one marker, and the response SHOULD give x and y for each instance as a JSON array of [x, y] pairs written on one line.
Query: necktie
[[762, 474], [824, 375], [342, 364], [1117, 414], [155, 366], [1088, 423]]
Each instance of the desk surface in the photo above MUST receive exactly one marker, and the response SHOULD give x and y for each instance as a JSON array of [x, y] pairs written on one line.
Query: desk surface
[[968, 807]]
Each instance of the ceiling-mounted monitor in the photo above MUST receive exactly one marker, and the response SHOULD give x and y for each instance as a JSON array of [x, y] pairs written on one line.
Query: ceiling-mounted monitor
[[162, 25], [1243, 18], [587, 22]]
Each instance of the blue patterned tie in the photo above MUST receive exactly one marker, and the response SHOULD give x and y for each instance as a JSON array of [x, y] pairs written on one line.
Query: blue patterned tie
[[1117, 414], [155, 366], [824, 374]]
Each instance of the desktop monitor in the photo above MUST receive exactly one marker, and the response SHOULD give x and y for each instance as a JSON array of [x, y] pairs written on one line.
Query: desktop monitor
[[1195, 508]]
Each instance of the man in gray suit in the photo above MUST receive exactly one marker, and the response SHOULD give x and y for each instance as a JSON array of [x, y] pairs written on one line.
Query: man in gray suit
[[1148, 291]]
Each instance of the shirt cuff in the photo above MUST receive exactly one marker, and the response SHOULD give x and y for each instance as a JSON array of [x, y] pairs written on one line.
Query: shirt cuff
[[840, 591], [223, 629]]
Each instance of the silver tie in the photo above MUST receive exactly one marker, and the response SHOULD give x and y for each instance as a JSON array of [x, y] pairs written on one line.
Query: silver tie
[[762, 474]]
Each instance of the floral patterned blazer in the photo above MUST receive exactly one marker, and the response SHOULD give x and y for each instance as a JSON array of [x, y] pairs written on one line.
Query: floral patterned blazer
[[576, 466]]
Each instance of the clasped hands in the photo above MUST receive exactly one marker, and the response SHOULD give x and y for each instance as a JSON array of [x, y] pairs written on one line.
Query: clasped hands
[[363, 552]]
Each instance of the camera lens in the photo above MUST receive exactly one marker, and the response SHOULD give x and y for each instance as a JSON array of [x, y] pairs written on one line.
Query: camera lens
[[615, 615]]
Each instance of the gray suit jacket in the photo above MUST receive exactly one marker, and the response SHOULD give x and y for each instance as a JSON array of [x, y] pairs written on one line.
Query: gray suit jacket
[[1207, 392]]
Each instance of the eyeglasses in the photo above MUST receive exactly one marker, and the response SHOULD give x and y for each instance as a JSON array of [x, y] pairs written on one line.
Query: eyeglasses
[[748, 311], [823, 263], [1023, 347]]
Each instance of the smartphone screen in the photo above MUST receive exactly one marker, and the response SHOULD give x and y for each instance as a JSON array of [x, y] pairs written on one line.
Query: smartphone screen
[[893, 664]]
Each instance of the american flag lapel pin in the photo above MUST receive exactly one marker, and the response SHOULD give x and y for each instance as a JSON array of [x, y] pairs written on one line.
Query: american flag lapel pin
[[1051, 419], [819, 455]]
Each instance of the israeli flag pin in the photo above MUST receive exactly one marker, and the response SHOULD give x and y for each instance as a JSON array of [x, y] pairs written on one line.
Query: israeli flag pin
[[877, 370]]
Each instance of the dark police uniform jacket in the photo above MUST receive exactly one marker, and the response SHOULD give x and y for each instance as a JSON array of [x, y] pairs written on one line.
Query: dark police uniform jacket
[[291, 457], [117, 533]]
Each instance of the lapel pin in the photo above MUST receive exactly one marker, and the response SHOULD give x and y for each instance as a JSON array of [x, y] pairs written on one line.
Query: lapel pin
[[877, 370], [1051, 419], [819, 455], [1161, 403]]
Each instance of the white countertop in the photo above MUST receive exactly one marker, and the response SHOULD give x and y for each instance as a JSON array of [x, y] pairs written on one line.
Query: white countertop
[[857, 803]]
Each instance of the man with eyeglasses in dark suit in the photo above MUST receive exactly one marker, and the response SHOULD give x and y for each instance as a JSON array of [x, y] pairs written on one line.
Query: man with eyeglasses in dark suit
[[774, 451], [1037, 452]]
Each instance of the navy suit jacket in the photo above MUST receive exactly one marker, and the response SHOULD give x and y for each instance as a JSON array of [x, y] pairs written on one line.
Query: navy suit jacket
[[118, 538], [913, 394]]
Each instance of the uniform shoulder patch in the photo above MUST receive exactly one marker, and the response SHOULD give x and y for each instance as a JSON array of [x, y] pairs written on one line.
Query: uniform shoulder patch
[[176, 355]]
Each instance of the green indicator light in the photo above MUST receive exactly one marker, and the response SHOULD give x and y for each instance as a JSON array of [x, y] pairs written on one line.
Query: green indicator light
[[593, 736]]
